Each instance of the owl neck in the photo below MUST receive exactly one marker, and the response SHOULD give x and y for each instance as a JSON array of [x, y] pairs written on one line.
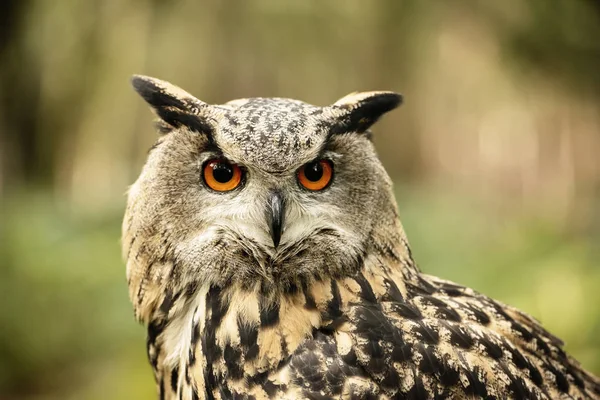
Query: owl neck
[[234, 332]]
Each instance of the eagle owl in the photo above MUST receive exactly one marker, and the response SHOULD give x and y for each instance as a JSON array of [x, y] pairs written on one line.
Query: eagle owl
[[266, 258]]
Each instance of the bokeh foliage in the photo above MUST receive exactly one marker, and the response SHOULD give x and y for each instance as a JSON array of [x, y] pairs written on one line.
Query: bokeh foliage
[[495, 154]]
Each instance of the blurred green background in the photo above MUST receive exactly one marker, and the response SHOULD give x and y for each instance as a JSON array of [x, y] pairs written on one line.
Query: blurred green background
[[495, 154]]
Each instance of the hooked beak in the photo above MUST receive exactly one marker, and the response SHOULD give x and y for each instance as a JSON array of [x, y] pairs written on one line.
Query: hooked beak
[[275, 212]]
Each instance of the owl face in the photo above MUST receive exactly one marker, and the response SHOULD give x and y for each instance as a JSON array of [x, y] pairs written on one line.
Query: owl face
[[266, 192]]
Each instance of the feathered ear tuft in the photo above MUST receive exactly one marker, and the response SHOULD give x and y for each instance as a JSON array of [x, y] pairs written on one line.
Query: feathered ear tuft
[[174, 106], [356, 112]]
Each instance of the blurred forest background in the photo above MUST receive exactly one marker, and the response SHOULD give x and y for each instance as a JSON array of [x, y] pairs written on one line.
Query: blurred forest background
[[495, 154]]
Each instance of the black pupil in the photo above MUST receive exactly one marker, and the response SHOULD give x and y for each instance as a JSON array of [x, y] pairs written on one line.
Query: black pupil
[[222, 172], [313, 171]]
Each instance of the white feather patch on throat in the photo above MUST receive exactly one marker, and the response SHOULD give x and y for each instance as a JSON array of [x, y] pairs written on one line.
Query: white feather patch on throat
[[177, 336]]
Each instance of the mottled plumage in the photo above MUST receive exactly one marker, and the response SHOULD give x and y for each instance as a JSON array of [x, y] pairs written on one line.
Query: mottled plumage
[[335, 309]]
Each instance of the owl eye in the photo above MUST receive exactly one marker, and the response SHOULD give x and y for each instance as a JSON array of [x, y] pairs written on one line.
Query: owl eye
[[316, 175], [221, 176]]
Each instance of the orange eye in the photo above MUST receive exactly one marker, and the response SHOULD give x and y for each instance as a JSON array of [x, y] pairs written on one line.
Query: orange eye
[[316, 175], [221, 176]]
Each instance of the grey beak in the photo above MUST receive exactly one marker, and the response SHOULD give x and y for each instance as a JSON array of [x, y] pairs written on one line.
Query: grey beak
[[275, 213]]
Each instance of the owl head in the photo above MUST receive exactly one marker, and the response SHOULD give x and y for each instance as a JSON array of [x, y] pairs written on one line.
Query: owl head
[[266, 193]]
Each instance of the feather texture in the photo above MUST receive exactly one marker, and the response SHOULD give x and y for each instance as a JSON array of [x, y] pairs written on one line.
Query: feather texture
[[335, 310]]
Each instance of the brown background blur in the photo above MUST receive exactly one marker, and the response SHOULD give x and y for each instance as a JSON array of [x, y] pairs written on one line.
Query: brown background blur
[[495, 153]]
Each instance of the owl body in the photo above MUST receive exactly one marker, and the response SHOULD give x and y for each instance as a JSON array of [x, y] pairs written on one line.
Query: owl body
[[265, 256]]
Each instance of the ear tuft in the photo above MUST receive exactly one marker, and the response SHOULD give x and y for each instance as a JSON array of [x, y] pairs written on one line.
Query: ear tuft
[[358, 111], [159, 93], [173, 105]]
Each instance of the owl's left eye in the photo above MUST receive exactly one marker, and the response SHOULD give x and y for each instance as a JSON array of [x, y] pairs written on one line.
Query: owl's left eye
[[316, 175], [221, 175]]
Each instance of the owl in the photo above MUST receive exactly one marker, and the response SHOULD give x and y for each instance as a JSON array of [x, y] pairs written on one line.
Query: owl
[[266, 259]]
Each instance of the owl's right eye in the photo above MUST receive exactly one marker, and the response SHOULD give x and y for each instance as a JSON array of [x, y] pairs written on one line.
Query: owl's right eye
[[221, 175]]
